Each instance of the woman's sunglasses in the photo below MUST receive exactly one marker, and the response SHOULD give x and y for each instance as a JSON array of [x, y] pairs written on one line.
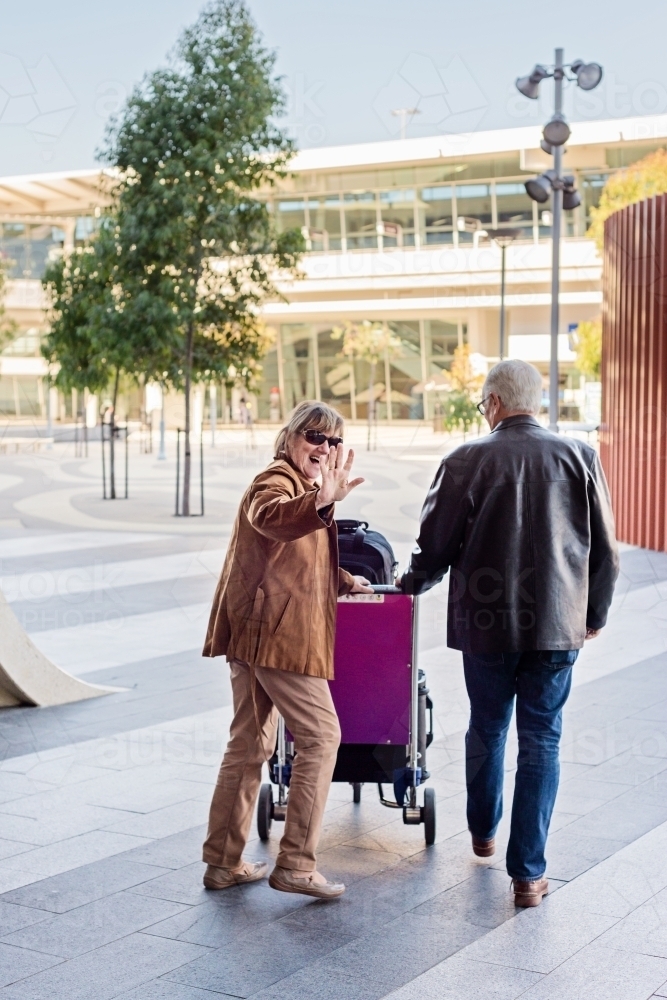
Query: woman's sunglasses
[[318, 437]]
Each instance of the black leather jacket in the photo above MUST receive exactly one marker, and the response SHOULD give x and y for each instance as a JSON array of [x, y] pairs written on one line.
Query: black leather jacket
[[522, 519]]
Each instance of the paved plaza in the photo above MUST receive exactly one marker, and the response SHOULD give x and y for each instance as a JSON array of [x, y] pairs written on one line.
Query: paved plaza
[[103, 803]]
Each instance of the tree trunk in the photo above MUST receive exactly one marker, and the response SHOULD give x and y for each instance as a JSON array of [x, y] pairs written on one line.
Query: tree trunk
[[187, 461], [112, 438], [371, 405]]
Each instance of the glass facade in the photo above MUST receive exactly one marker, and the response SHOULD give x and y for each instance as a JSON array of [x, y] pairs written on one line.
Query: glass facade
[[307, 362], [423, 216]]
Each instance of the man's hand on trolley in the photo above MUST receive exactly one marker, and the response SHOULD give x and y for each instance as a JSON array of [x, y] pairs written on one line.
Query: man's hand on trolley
[[335, 472], [361, 586]]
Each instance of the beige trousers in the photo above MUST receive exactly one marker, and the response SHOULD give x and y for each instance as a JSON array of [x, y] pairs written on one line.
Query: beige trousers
[[306, 705]]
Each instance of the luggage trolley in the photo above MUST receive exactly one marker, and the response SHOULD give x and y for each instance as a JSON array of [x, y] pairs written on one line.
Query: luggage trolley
[[383, 705]]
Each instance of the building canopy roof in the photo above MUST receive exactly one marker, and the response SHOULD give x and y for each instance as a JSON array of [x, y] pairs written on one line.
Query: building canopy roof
[[54, 195]]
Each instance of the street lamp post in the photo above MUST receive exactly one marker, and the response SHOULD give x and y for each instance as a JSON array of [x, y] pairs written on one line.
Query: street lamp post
[[503, 238], [553, 184]]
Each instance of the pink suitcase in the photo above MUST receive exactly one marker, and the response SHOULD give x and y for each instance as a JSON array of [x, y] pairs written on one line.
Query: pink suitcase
[[382, 703]]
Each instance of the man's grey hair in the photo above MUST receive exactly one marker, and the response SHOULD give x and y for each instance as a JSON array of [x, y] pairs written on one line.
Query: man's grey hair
[[518, 384]]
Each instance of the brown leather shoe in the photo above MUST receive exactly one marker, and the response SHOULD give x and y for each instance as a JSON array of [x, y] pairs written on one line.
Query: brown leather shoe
[[224, 878], [483, 848], [529, 893], [313, 884]]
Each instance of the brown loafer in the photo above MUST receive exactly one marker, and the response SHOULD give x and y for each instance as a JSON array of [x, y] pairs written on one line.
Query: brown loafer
[[224, 878], [529, 893], [483, 848], [286, 881]]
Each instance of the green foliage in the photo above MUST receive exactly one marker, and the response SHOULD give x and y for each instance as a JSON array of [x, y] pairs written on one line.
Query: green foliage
[[199, 250], [644, 179], [459, 412], [588, 346]]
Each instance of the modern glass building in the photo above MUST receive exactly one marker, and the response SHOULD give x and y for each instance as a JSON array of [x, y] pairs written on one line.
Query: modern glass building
[[396, 234]]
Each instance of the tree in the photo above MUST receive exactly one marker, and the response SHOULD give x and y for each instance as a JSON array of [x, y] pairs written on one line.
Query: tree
[[96, 335], [370, 342], [644, 179], [588, 347], [197, 250], [460, 403]]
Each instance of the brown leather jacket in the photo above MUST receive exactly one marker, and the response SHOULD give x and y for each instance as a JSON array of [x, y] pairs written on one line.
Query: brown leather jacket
[[275, 604]]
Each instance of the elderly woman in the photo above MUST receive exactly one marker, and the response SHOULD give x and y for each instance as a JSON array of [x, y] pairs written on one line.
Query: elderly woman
[[274, 618]]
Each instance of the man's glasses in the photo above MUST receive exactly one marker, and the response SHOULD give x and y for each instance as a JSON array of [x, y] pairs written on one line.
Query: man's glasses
[[482, 405], [318, 437]]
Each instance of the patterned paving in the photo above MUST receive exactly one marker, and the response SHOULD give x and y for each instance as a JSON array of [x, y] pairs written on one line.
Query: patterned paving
[[103, 803]]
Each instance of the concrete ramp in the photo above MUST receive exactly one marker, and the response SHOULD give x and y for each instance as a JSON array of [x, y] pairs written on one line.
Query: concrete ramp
[[27, 677]]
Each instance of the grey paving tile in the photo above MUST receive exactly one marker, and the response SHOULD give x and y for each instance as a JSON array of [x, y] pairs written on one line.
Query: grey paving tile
[[83, 885], [458, 978], [229, 914], [18, 963], [631, 815], [10, 848], [160, 989], [50, 828], [108, 971], [598, 973], [176, 851], [484, 899], [644, 930], [662, 991], [182, 885], [630, 768], [73, 853], [256, 961], [406, 947], [541, 939], [570, 852], [13, 917], [93, 925], [350, 863], [313, 985]]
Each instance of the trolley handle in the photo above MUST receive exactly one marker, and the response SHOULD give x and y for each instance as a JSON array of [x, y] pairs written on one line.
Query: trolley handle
[[385, 588]]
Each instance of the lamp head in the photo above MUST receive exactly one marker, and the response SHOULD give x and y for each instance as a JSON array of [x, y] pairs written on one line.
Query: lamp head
[[539, 188], [529, 86], [557, 131], [571, 197], [588, 74]]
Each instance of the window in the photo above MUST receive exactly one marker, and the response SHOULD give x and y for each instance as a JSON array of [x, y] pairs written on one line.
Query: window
[[324, 223], [290, 215], [361, 221], [473, 209], [397, 209], [514, 208], [436, 217]]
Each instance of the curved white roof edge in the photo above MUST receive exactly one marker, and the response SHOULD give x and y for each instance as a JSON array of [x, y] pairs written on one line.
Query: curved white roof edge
[[435, 147]]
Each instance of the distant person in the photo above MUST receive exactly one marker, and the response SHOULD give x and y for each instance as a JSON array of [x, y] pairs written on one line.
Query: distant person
[[274, 617], [522, 520]]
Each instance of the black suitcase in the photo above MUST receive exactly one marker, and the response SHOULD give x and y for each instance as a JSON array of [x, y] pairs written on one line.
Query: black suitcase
[[363, 552]]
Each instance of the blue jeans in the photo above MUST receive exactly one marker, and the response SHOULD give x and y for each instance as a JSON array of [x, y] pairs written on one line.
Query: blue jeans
[[540, 681]]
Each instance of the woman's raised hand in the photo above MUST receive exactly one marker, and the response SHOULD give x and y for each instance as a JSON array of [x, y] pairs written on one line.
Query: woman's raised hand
[[335, 472]]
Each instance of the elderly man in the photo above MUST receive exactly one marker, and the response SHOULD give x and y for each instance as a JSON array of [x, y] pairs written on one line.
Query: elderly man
[[522, 520]]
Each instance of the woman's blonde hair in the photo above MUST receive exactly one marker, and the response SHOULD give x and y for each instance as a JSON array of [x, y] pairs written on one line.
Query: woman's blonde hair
[[308, 416]]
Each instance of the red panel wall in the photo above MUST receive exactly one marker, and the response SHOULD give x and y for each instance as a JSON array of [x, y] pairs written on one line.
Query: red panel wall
[[633, 437]]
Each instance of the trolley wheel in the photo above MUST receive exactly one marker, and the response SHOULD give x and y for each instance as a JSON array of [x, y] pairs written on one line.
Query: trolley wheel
[[428, 816], [265, 812], [356, 792]]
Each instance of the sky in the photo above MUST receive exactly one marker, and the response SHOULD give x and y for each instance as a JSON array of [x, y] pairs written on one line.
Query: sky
[[346, 65]]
